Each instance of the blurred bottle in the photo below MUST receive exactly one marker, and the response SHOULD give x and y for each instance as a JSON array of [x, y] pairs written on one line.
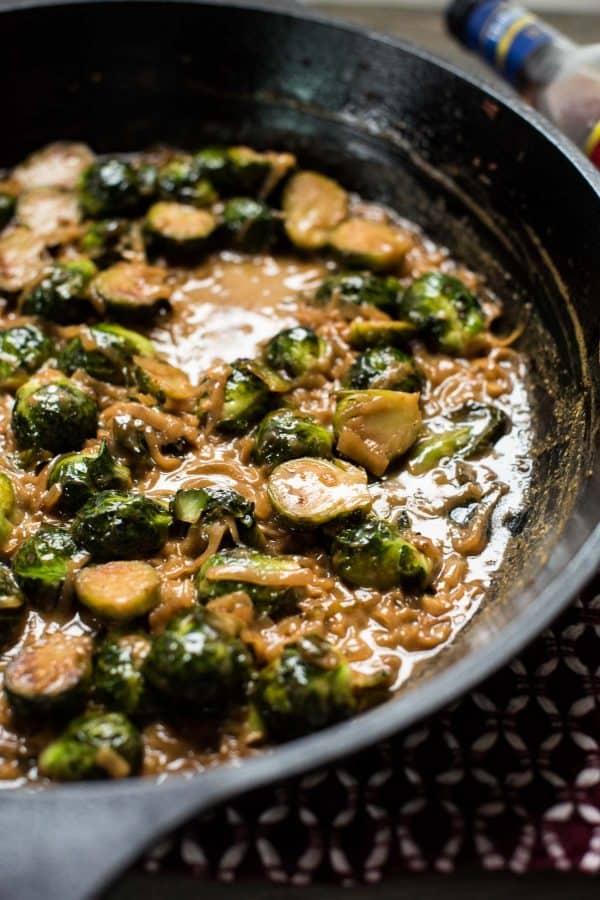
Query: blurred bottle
[[561, 78]]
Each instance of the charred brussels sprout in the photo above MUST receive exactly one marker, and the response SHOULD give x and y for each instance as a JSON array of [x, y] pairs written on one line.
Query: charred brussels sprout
[[246, 398], [118, 591], [271, 582], [383, 367], [471, 429], [182, 180], [12, 606], [358, 288], [42, 563], [7, 208], [307, 688], [373, 245], [97, 745], [375, 427], [79, 475], [285, 434], [109, 188], [131, 291], [179, 231], [61, 295], [23, 349], [312, 206], [310, 492], [375, 554], [106, 353], [119, 683], [297, 351], [50, 677], [444, 310], [250, 225], [210, 504], [101, 241], [121, 525], [53, 415], [194, 662]]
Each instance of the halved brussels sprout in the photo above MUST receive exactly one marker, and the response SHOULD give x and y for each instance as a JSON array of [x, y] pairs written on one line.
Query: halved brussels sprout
[[179, 231], [101, 240], [379, 333], [246, 398], [309, 492], [7, 507], [118, 590], [250, 225], [472, 428], [121, 525], [162, 380], [374, 245], [255, 172], [357, 288], [47, 210], [109, 188], [194, 662], [286, 434], [209, 504], [42, 564], [132, 290], [119, 683], [7, 208], [272, 582], [375, 427], [23, 349], [12, 606], [313, 205], [57, 165], [50, 677], [376, 554], [22, 257], [383, 367], [61, 294], [105, 352], [297, 350], [182, 180], [213, 164], [97, 745], [445, 310], [51, 413], [79, 475]]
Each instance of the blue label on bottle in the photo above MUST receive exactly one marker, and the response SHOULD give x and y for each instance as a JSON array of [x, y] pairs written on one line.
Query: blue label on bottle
[[505, 36]]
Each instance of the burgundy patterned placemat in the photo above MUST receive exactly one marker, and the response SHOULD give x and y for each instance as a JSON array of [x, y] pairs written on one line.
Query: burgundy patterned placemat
[[506, 778]]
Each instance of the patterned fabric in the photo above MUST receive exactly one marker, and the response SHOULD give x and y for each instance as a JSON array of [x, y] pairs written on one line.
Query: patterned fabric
[[506, 778]]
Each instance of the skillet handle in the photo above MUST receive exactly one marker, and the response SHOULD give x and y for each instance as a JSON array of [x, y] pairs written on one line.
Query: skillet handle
[[70, 843]]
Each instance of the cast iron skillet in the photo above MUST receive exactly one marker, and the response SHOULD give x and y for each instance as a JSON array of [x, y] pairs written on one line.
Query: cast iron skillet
[[479, 171]]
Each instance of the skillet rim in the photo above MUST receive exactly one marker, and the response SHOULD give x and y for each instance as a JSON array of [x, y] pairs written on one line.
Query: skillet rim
[[407, 708]]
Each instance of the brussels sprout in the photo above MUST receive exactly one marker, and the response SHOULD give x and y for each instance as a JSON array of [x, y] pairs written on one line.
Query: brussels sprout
[[22, 258], [121, 525], [47, 211], [375, 554], [51, 676], [53, 414], [213, 164], [297, 350], [179, 231], [374, 245], [12, 606], [379, 333], [7, 506], [97, 745], [61, 293], [7, 208], [445, 310], [182, 180], [132, 290], [285, 434], [307, 688], [271, 582], [42, 563], [471, 429], [194, 662], [250, 225], [375, 427], [162, 380], [210, 504], [79, 475], [383, 367], [101, 240], [119, 683], [109, 188], [106, 353], [246, 399], [310, 492], [57, 165], [252, 172], [23, 349], [313, 205], [118, 590], [358, 288]]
